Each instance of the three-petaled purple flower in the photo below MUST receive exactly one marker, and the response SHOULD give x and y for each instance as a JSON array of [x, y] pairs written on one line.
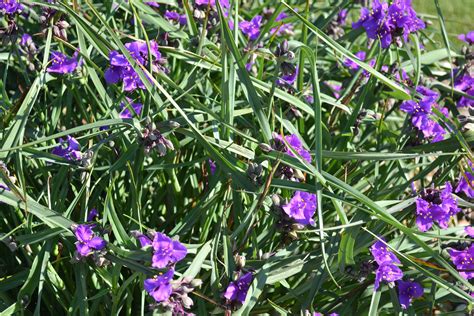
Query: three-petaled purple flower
[[302, 207], [160, 287], [87, 241], [166, 252], [93, 214], [10, 7], [421, 114], [465, 83], [251, 28], [407, 291], [294, 142], [468, 37], [237, 290], [464, 261], [61, 64], [388, 22], [387, 269], [68, 149], [121, 70], [469, 230], [435, 205]]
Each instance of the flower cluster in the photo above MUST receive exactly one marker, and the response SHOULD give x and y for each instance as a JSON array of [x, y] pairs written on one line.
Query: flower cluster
[[302, 207], [387, 22], [421, 114], [68, 149], [170, 294], [10, 7], [389, 271], [251, 28], [435, 206], [121, 70], [152, 139]]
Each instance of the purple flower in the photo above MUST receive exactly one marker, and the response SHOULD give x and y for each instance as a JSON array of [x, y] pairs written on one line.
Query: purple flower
[[382, 254], [87, 242], [212, 3], [421, 112], [252, 28], [143, 239], [92, 215], [464, 261], [237, 290], [289, 76], [126, 113], [121, 70], [466, 185], [166, 251], [61, 64], [352, 65], [435, 205], [468, 38], [212, 166], [387, 272], [295, 144], [302, 207], [283, 29], [25, 39], [153, 4], [10, 7], [465, 84], [341, 17], [160, 287], [388, 22], [68, 149], [175, 16], [469, 230], [407, 291]]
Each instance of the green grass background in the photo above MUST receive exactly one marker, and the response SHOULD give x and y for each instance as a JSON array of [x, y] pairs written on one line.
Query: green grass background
[[458, 14]]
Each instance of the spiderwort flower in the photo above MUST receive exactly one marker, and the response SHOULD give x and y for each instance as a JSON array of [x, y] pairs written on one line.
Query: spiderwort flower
[[212, 166], [382, 254], [121, 70], [407, 291], [144, 240], [166, 251], [237, 290], [290, 73], [302, 207], [352, 65], [93, 214], [465, 84], [435, 205], [468, 37], [126, 113], [386, 260], [68, 149], [175, 16], [421, 112], [469, 230], [466, 184], [160, 287], [464, 261], [387, 22], [61, 64], [212, 3], [10, 7], [294, 142], [251, 28], [283, 29], [87, 242]]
